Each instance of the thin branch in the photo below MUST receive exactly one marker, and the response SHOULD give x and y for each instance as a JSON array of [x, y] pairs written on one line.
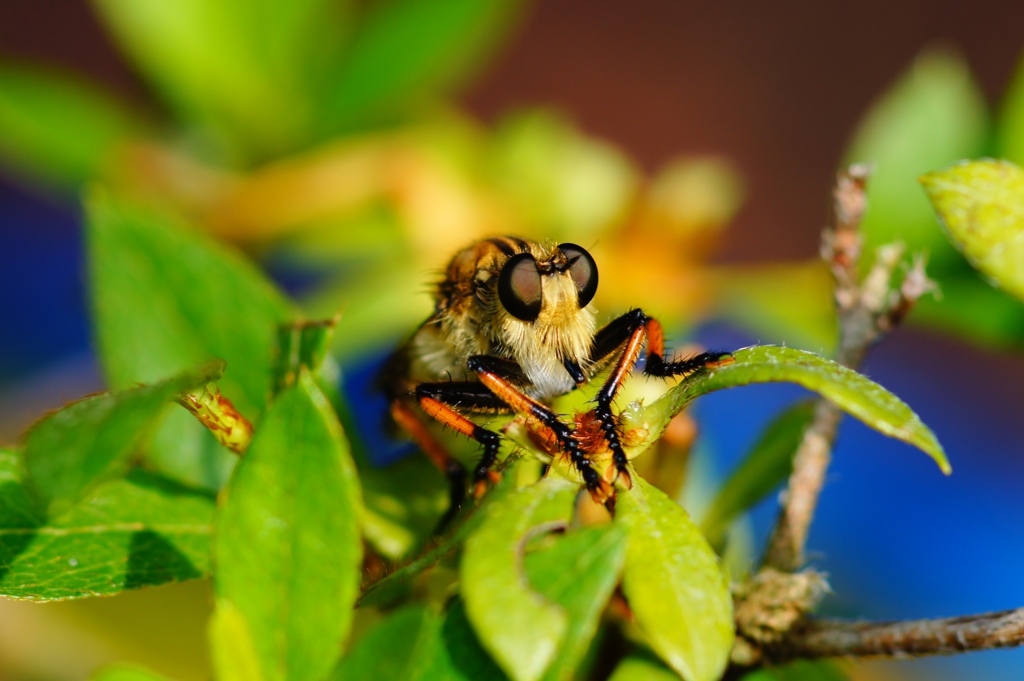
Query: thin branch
[[840, 247], [868, 309], [829, 638], [800, 500]]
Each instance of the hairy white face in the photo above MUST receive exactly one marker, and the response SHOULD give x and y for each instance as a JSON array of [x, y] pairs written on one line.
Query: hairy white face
[[546, 313], [516, 299]]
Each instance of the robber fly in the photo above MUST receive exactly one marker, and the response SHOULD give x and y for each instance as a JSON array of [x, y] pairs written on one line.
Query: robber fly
[[513, 328]]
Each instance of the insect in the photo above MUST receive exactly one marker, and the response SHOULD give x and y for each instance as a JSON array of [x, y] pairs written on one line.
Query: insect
[[513, 328]]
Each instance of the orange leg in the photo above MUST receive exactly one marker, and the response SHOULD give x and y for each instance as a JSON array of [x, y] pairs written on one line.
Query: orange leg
[[655, 338], [486, 369], [434, 450], [630, 353], [657, 366], [438, 400], [626, 336]]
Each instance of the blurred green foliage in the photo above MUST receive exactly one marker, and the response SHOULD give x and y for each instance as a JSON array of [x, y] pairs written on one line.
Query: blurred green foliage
[[243, 83], [932, 117], [57, 130], [981, 205]]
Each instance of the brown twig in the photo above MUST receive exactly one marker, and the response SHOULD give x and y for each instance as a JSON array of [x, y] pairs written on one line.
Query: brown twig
[[868, 309], [829, 638], [810, 462], [841, 245]]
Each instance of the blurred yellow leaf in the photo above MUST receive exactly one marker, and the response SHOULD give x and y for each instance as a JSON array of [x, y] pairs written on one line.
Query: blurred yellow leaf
[[981, 205]]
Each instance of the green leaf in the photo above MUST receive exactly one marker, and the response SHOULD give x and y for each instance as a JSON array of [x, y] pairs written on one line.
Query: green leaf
[[933, 116], [287, 548], [166, 298], [236, 68], [854, 393], [296, 43], [579, 572], [674, 584], [1010, 131], [765, 468], [419, 643], [404, 502], [234, 654], [304, 344], [184, 449], [74, 449], [403, 50], [641, 667], [395, 648], [981, 205], [461, 655], [57, 130], [134, 532], [125, 672], [520, 628], [463, 525], [17, 506]]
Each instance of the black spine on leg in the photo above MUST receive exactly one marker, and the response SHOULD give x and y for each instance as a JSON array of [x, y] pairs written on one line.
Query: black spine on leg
[[499, 366], [610, 429], [591, 478], [473, 397], [514, 374], [657, 366], [608, 340], [463, 395], [570, 446], [615, 333]]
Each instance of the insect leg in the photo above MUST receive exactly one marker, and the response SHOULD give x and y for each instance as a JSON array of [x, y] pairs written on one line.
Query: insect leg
[[624, 336], [489, 370], [657, 366], [611, 337], [440, 400], [434, 450]]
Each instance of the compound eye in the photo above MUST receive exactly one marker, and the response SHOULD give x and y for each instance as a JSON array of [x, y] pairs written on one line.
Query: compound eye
[[519, 288], [583, 271]]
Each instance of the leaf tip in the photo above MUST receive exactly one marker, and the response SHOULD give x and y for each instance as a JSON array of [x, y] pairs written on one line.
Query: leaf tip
[[938, 455], [929, 179], [213, 370]]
